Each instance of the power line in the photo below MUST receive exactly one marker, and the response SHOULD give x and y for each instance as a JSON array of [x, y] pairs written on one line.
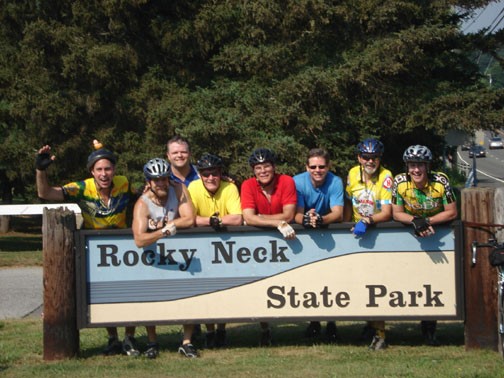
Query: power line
[[501, 14], [474, 19], [498, 19]]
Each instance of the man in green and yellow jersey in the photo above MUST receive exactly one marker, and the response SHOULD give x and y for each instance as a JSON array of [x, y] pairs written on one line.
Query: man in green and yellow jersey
[[423, 198]]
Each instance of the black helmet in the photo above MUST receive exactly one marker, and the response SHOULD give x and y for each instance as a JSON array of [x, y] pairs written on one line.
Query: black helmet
[[371, 146], [209, 161], [417, 153], [262, 155], [156, 168], [102, 153]]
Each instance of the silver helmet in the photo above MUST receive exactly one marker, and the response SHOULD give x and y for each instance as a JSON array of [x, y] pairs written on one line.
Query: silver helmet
[[418, 154], [156, 168]]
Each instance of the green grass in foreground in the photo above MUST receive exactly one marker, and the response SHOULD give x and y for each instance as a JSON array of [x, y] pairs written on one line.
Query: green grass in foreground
[[21, 345], [21, 351]]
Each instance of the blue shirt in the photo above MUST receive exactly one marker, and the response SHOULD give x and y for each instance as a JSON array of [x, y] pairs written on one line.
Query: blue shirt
[[193, 175], [323, 198]]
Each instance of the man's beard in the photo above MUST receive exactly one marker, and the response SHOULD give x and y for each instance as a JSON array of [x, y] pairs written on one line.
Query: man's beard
[[160, 193], [370, 170]]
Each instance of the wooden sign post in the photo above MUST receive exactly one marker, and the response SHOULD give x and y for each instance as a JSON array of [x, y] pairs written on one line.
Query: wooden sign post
[[481, 279], [61, 336]]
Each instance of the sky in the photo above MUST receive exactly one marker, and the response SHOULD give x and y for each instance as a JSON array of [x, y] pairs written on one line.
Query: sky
[[484, 17]]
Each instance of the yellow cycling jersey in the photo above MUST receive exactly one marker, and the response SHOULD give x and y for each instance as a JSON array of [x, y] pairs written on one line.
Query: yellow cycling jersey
[[96, 213], [368, 198], [424, 202]]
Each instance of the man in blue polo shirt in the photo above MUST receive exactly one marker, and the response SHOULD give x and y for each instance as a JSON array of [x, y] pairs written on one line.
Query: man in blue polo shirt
[[178, 153], [319, 202]]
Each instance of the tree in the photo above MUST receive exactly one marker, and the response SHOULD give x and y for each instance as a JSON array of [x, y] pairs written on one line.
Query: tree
[[235, 75]]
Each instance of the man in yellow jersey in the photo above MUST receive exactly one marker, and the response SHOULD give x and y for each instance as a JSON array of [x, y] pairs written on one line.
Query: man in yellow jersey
[[217, 204], [423, 198], [103, 199], [368, 201]]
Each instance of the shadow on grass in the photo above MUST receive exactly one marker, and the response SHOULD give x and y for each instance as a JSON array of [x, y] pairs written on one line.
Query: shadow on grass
[[292, 335], [20, 243]]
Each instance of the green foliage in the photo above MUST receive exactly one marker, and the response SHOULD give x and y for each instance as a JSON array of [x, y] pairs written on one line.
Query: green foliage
[[234, 75]]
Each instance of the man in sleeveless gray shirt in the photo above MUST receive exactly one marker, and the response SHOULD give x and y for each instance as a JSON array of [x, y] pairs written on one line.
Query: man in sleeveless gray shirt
[[164, 207]]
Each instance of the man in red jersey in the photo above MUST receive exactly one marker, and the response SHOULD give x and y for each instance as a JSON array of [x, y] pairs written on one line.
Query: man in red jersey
[[268, 200]]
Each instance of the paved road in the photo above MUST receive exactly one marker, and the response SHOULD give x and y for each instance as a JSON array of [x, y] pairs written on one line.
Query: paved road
[[20, 292]]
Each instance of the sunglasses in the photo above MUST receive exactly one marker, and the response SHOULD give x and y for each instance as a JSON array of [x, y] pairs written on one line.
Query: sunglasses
[[208, 173], [369, 157], [316, 166]]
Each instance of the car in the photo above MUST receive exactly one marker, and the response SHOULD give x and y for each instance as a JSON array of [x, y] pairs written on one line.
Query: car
[[495, 142], [477, 151], [466, 146]]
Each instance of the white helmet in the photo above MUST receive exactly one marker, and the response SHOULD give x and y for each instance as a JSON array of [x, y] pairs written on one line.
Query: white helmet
[[418, 154], [156, 168]]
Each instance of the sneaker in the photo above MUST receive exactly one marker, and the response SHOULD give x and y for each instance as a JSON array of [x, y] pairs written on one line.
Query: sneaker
[[331, 332], [188, 350], [220, 338], [378, 343], [266, 338], [313, 329], [113, 348], [152, 350], [129, 346], [210, 340]]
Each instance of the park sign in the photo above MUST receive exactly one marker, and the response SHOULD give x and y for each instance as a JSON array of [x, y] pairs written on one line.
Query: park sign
[[253, 274]]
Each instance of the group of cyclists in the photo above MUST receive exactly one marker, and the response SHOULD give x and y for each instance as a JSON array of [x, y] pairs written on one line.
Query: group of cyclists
[[178, 194]]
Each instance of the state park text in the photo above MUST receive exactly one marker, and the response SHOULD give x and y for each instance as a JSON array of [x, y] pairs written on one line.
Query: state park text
[[255, 274]]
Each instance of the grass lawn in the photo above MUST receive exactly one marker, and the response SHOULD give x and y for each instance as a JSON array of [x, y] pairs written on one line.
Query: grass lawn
[[292, 355], [22, 245]]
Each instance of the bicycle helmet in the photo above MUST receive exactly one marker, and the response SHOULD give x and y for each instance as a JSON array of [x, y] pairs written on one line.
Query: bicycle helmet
[[156, 168], [371, 146], [208, 161], [262, 155], [99, 154], [417, 153]]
